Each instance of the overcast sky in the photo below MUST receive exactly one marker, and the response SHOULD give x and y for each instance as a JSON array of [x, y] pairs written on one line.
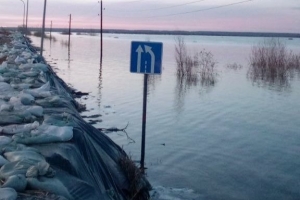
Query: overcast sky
[[209, 15]]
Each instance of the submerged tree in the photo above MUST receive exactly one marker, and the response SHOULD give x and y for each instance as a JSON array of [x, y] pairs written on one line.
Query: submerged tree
[[272, 64], [192, 70]]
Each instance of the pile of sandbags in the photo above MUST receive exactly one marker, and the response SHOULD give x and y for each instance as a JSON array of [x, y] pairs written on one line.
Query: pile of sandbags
[[47, 151]]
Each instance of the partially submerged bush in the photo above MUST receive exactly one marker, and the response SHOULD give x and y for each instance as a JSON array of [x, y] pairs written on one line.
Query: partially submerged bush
[[38, 34], [23, 30], [234, 66], [3, 31], [4, 36], [197, 68], [271, 63], [206, 65]]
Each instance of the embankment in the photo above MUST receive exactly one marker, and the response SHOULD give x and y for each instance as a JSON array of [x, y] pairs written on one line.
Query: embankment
[[47, 151]]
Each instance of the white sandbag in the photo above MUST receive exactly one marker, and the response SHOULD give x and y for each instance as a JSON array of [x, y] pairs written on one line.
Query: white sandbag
[[45, 134], [15, 102], [3, 65], [3, 161], [52, 185], [6, 107], [14, 51], [5, 87], [15, 156], [19, 128], [4, 140], [21, 86], [19, 45], [36, 66], [19, 60], [36, 92], [26, 66], [40, 169], [37, 111], [17, 182], [31, 73], [21, 99], [43, 77], [2, 79], [26, 99], [4, 48], [8, 194], [14, 168], [41, 67], [26, 55]]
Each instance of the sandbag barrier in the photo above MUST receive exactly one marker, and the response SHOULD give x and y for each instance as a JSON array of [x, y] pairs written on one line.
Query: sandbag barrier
[[47, 151]]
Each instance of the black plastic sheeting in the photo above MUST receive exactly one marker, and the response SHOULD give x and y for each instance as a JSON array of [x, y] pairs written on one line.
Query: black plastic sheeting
[[89, 164]]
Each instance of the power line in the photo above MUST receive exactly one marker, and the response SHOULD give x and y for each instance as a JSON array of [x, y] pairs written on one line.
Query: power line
[[134, 1], [188, 12], [205, 9], [166, 7]]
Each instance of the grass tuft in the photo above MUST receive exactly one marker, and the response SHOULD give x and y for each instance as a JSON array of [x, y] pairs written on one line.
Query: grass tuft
[[138, 186]]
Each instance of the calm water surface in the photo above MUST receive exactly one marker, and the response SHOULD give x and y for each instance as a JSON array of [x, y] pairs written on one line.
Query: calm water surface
[[234, 140]]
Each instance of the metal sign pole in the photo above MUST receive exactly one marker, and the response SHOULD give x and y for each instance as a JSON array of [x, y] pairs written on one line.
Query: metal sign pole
[[144, 122]]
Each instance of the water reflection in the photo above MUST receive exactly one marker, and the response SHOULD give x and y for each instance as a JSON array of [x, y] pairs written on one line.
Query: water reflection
[[50, 48], [152, 82], [69, 54], [100, 84], [272, 65], [65, 43], [202, 81]]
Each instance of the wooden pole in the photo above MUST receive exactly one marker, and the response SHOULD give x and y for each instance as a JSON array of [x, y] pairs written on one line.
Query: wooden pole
[[23, 14], [26, 16], [101, 30], [43, 28]]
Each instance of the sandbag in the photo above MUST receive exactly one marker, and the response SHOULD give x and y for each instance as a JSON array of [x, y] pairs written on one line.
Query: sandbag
[[8, 194]]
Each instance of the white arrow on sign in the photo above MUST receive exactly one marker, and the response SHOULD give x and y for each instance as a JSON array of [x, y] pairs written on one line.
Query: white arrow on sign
[[139, 50], [148, 49]]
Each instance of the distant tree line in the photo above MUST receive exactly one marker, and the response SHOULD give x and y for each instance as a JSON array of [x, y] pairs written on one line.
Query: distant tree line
[[158, 32]]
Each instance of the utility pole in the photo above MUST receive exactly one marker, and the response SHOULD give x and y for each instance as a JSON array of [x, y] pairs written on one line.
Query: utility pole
[[70, 28], [23, 14], [26, 17], [43, 28], [101, 30]]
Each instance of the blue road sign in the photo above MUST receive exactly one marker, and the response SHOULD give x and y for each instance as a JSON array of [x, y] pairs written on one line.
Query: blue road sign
[[146, 57]]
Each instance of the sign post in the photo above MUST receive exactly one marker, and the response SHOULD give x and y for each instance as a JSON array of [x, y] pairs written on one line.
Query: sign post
[[146, 58]]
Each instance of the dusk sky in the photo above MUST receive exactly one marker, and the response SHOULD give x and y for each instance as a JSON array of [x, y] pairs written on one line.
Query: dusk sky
[[191, 15]]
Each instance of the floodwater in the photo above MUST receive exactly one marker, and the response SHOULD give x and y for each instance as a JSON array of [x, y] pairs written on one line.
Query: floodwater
[[235, 139]]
